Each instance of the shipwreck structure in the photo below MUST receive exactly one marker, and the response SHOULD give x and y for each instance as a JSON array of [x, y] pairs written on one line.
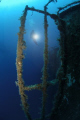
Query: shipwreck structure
[[67, 100]]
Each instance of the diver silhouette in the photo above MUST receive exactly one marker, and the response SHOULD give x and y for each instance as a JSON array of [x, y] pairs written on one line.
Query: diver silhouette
[[32, 37]]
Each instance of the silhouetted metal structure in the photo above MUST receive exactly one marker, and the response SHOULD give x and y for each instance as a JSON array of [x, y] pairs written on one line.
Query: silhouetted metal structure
[[67, 102]]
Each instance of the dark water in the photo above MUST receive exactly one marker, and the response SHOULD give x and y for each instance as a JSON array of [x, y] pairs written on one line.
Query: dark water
[[10, 108]]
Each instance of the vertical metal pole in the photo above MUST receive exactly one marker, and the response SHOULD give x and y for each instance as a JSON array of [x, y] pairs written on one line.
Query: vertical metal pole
[[19, 63], [45, 73]]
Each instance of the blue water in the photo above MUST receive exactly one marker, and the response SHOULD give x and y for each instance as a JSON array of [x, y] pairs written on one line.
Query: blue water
[[10, 108]]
